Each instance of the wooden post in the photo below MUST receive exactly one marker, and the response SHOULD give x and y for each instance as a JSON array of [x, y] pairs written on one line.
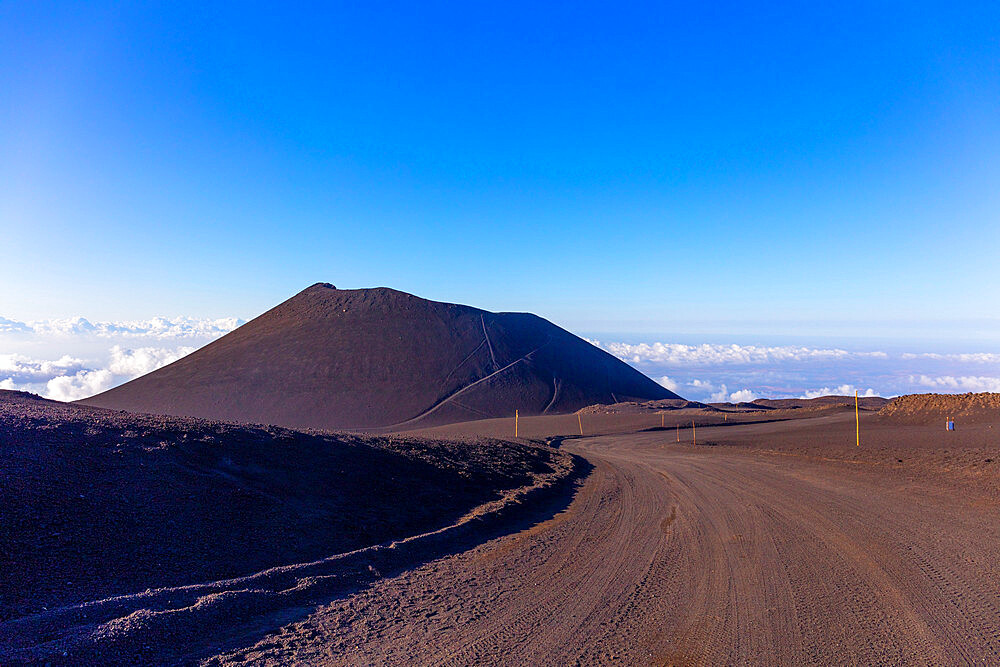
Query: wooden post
[[694, 434], [857, 420], [678, 431], [579, 420]]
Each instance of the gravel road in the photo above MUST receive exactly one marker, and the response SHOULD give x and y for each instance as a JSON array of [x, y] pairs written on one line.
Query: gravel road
[[671, 554]]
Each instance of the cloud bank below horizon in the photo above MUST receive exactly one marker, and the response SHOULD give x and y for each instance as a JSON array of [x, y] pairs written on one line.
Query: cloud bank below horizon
[[163, 328], [738, 373], [73, 358], [69, 378]]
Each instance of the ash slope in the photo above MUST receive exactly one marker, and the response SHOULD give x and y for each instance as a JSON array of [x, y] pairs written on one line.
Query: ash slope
[[98, 503], [974, 408], [379, 358]]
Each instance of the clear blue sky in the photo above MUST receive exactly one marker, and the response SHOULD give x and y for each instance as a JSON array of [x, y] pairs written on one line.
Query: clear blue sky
[[625, 167]]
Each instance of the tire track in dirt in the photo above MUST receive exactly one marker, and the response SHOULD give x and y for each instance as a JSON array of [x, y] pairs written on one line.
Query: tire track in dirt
[[458, 392]]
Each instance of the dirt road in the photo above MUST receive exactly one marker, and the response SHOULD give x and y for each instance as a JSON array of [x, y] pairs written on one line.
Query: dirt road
[[671, 554]]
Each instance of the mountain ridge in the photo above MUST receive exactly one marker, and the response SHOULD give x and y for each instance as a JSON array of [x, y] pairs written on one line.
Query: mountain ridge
[[380, 358]]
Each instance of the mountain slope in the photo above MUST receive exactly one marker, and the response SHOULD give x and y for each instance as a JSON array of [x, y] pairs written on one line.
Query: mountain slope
[[375, 358]]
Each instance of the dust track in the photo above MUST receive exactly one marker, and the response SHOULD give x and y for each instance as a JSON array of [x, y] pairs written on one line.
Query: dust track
[[676, 555]]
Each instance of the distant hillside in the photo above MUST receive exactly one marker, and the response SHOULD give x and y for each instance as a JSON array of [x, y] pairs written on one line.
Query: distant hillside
[[759, 405], [865, 402], [930, 408], [640, 407], [373, 358]]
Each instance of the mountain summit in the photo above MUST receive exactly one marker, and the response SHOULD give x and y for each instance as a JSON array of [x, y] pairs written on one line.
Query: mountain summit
[[375, 358]]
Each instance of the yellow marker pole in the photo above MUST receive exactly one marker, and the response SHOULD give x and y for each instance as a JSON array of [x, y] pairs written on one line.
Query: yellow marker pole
[[579, 420], [661, 420], [515, 423], [857, 419], [678, 431], [694, 434]]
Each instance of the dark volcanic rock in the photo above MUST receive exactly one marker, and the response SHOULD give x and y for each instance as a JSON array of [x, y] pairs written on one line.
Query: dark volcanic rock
[[376, 358], [95, 503]]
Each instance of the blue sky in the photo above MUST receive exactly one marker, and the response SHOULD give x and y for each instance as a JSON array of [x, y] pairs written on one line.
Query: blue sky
[[728, 170]]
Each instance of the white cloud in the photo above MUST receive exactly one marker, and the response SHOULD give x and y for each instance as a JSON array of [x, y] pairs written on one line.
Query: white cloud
[[720, 396], [788, 370], [958, 384], [668, 383], [133, 363], [964, 358], [69, 378], [7, 326], [723, 395], [679, 354], [101, 354], [841, 390], [20, 369], [157, 327], [80, 385], [743, 396]]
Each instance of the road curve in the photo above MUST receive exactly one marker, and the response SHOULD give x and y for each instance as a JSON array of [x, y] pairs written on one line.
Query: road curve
[[676, 555]]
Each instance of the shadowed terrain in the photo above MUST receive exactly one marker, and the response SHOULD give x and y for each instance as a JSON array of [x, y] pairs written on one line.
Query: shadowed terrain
[[99, 503], [371, 358]]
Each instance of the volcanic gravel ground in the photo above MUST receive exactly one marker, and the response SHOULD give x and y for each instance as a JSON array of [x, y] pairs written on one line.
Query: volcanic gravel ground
[[782, 543]]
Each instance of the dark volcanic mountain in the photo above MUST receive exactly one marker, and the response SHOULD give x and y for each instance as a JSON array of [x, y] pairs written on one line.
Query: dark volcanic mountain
[[374, 358]]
